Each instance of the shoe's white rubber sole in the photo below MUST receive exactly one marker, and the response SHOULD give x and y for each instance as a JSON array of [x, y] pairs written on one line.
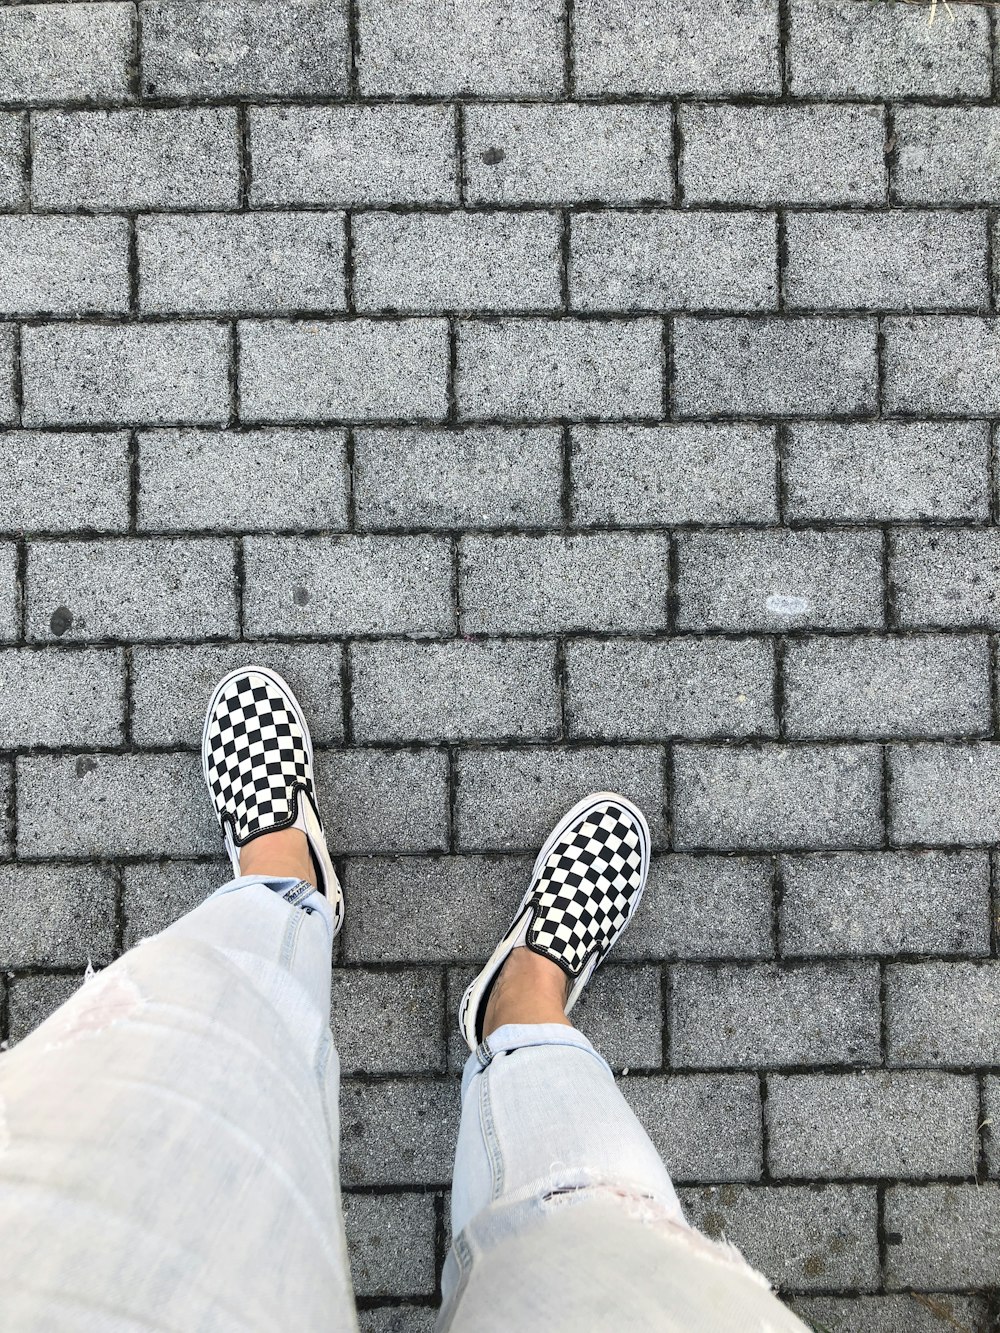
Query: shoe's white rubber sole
[[468, 1013]]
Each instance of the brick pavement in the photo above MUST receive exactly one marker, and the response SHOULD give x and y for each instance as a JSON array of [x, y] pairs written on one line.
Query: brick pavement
[[563, 394]]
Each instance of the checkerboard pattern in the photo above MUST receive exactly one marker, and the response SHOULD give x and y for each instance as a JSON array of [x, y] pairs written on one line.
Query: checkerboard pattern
[[256, 758], [590, 885]]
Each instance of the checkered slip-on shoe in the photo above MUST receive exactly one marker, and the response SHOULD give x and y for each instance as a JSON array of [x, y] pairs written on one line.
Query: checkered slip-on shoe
[[257, 757], [585, 887]]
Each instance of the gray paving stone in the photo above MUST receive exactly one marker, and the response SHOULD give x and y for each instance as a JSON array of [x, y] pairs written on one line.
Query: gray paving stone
[[802, 1237], [159, 893], [398, 1131], [419, 909], [384, 800], [363, 369], [639, 475], [116, 160], [33, 999], [689, 260], [943, 1013], [604, 581], [243, 48], [106, 805], [766, 795], [775, 367], [681, 46], [569, 153], [348, 585], [66, 52], [886, 261], [473, 477], [171, 687], [621, 1013], [239, 481], [645, 690], [783, 154], [885, 903], [58, 697], [8, 398], [868, 688], [508, 800], [505, 48], [388, 1022], [124, 588], [874, 1124], [703, 907], [56, 916], [894, 1314], [990, 1127], [460, 690], [946, 578], [457, 261], [704, 1126], [148, 374], [770, 1016], [944, 793], [941, 365], [945, 1235], [838, 50], [391, 1240], [208, 263], [779, 580], [946, 154], [880, 471], [63, 265], [10, 615], [65, 481], [398, 1319], [346, 155], [534, 368], [13, 159]]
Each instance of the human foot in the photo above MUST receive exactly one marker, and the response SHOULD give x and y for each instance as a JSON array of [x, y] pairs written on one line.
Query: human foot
[[258, 763], [586, 885], [528, 989]]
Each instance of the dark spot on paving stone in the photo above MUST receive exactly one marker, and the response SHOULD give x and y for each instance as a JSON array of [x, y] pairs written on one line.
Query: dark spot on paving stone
[[491, 156], [84, 766], [714, 1224], [150, 87], [300, 596], [61, 619], [893, 1238], [814, 1266]]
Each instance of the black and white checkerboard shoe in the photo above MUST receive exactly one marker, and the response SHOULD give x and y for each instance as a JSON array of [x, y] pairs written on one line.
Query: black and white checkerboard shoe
[[257, 756], [586, 884]]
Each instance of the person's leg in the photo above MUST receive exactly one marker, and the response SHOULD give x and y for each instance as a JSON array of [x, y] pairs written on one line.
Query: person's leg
[[168, 1138], [563, 1214], [541, 1112]]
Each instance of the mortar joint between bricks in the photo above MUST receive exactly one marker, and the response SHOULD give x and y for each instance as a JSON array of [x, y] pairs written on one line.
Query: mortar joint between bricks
[[349, 259], [460, 154], [133, 267], [135, 62], [245, 161], [569, 47], [777, 901]]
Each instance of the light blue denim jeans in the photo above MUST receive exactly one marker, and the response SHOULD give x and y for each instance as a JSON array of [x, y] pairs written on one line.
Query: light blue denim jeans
[[169, 1159]]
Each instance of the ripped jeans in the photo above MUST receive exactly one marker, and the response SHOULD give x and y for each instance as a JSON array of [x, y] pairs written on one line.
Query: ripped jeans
[[169, 1146]]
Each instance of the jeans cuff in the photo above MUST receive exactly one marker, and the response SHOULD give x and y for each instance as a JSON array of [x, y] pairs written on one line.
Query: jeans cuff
[[518, 1036], [295, 892]]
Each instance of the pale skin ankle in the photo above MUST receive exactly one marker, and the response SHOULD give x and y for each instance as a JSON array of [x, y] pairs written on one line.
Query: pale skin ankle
[[529, 989], [283, 854]]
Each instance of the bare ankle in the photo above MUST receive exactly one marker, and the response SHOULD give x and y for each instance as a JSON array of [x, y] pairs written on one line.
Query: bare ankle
[[283, 854], [529, 989]]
